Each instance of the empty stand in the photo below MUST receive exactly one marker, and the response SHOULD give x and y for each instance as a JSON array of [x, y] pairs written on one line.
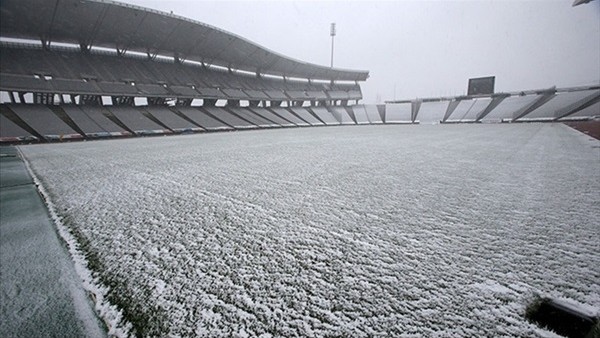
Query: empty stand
[[586, 113], [74, 86], [341, 114], [136, 121], [184, 91], [285, 114], [10, 132], [269, 115], [202, 119], [304, 114], [297, 95], [276, 95], [114, 75], [316, 94], [373, 114], [211, 92], [44, 121], [507, 109], [432, 112], [250, 116], [102, 69], [398, 113], [257, 94], [89, 126], [175, 122], [468, 110], [99, 115], [235, 93], [23, 82], [360, 114], [338, 95], [229, 118], [354, 94], [152, 89], [552, 108], [117, 88], [325, 115]]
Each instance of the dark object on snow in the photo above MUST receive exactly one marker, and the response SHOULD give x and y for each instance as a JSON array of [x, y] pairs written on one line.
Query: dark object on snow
[[563, 318]]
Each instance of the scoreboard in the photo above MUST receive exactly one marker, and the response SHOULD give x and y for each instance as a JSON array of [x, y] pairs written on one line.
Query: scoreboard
[[481, 85]]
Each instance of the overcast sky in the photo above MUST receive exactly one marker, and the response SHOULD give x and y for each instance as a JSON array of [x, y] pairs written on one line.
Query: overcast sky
[[421, 48]]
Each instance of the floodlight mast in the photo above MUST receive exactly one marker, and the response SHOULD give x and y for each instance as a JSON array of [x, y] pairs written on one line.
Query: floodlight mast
[[332, 33]]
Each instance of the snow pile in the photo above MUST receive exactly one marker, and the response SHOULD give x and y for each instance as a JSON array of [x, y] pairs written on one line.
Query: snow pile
[[377, 230]]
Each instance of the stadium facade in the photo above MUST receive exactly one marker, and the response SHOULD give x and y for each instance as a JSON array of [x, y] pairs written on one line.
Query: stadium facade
[[84, 69]]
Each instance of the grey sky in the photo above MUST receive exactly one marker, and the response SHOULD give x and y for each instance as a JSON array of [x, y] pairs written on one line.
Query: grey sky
[[421, 48]]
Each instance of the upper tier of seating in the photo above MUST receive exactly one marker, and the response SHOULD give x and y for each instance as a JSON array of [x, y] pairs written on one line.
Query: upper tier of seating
[[72, 72]]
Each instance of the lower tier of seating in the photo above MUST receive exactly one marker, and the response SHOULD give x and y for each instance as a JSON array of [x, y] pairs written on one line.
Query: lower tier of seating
[[22, 123]]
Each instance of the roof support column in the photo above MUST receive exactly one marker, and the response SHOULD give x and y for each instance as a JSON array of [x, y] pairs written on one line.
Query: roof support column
[[45, 43], [491, 106], [415, 106], [47, 38], [232, 103], [544, 97], [178, 59], [451, 108], [578, 106], [121, 51], [85, 48], [151, 56]]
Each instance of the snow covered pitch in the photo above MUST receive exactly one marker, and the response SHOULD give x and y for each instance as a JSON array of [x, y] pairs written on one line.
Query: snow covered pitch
[[404, 231]]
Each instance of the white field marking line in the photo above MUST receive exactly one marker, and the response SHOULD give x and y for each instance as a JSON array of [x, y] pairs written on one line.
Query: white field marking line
[[109, 313]]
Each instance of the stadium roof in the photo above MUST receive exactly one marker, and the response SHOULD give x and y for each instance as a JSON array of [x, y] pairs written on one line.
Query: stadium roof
[[111, 24]]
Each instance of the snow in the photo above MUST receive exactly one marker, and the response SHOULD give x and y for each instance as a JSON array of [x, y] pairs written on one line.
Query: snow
[[577, 307], [367, 231], [112, 316]]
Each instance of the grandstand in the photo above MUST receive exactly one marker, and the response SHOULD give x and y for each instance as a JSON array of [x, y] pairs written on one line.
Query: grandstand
[[87, 69], [325, 115], [74, 70], [305, 115], [289, 116], [548, 105], [360, 114]]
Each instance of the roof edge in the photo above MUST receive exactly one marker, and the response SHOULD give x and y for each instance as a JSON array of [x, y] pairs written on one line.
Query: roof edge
[[364, 73]]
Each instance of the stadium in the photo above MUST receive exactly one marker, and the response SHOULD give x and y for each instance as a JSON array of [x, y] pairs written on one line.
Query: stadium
[[443, 216]]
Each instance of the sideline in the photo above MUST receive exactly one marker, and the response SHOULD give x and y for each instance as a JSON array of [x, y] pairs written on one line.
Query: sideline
[[42, 294]]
